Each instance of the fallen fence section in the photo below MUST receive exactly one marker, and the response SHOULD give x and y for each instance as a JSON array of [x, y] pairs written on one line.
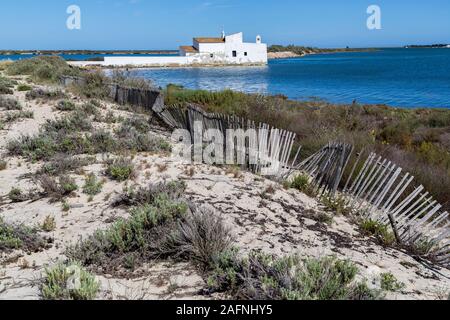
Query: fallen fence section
[[267, 150], [379, 190]]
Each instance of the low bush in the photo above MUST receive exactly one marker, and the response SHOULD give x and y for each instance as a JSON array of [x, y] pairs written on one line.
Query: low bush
[[45, 94], [6, 85], [17, 195], [92, 186], [120, 169], [45, 69], [9, 103], [49, 224], [141, 235], [265, 277], [56, 188], [379, 230], [18, 115], [199, 238], [65, 105], [24, 87], [69, 281], [3, 165], [302, 183], [62, 164], [94, 86], [136, 197]]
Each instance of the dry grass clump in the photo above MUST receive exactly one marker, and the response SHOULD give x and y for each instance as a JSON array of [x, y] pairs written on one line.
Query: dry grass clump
[[62, 164], [415, 139], [56, 188], [92, 186], [199, 238]]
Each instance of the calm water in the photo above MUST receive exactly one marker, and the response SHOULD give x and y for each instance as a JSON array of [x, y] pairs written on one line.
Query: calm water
[[396, 77]]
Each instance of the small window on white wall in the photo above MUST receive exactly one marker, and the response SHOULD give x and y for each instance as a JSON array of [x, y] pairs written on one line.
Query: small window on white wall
[[234, 54], [245, 54], [212, 55]]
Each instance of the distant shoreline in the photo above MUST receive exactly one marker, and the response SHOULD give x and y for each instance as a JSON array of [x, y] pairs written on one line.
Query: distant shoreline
[[85, 52]]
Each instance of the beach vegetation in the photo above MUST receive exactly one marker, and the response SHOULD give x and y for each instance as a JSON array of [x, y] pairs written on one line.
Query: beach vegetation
[[415, 139], [57, 283], [42, 69], [7, 103], [13, 237]]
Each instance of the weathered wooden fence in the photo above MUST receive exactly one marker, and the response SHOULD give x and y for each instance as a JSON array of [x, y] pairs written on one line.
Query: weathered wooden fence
[[267, 150], [151, 99], [377, 189]]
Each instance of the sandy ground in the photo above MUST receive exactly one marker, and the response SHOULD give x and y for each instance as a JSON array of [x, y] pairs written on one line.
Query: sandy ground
[[276, 221]]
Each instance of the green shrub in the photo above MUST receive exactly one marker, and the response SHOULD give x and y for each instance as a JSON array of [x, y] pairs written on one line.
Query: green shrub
[[94, 86], [336, 205], [141, 235], [10, 104], [301, 183], [49, 224], [120, 169], [3, 165], [379, 230], [92, 186], [24, 87], [58, 188], [14, 237], [45, 94], [46, 69], [6, 85], [65, 105], [390, 283], [17, 195], [265, 277], [69, 281]]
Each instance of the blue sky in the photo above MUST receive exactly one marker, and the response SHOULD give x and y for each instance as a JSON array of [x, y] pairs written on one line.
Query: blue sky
[[166, 24]]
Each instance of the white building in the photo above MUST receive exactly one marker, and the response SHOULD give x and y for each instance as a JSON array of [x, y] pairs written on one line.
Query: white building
[[224, 50]]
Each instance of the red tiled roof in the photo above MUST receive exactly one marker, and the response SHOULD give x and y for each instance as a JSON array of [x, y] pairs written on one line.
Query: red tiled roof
[[209, 40], [189, 49]]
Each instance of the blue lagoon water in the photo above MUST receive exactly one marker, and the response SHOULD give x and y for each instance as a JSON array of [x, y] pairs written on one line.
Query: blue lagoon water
[[396, 77]]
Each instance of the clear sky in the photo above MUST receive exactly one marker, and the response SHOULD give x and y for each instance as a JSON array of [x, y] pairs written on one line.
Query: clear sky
[[166, 24]]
